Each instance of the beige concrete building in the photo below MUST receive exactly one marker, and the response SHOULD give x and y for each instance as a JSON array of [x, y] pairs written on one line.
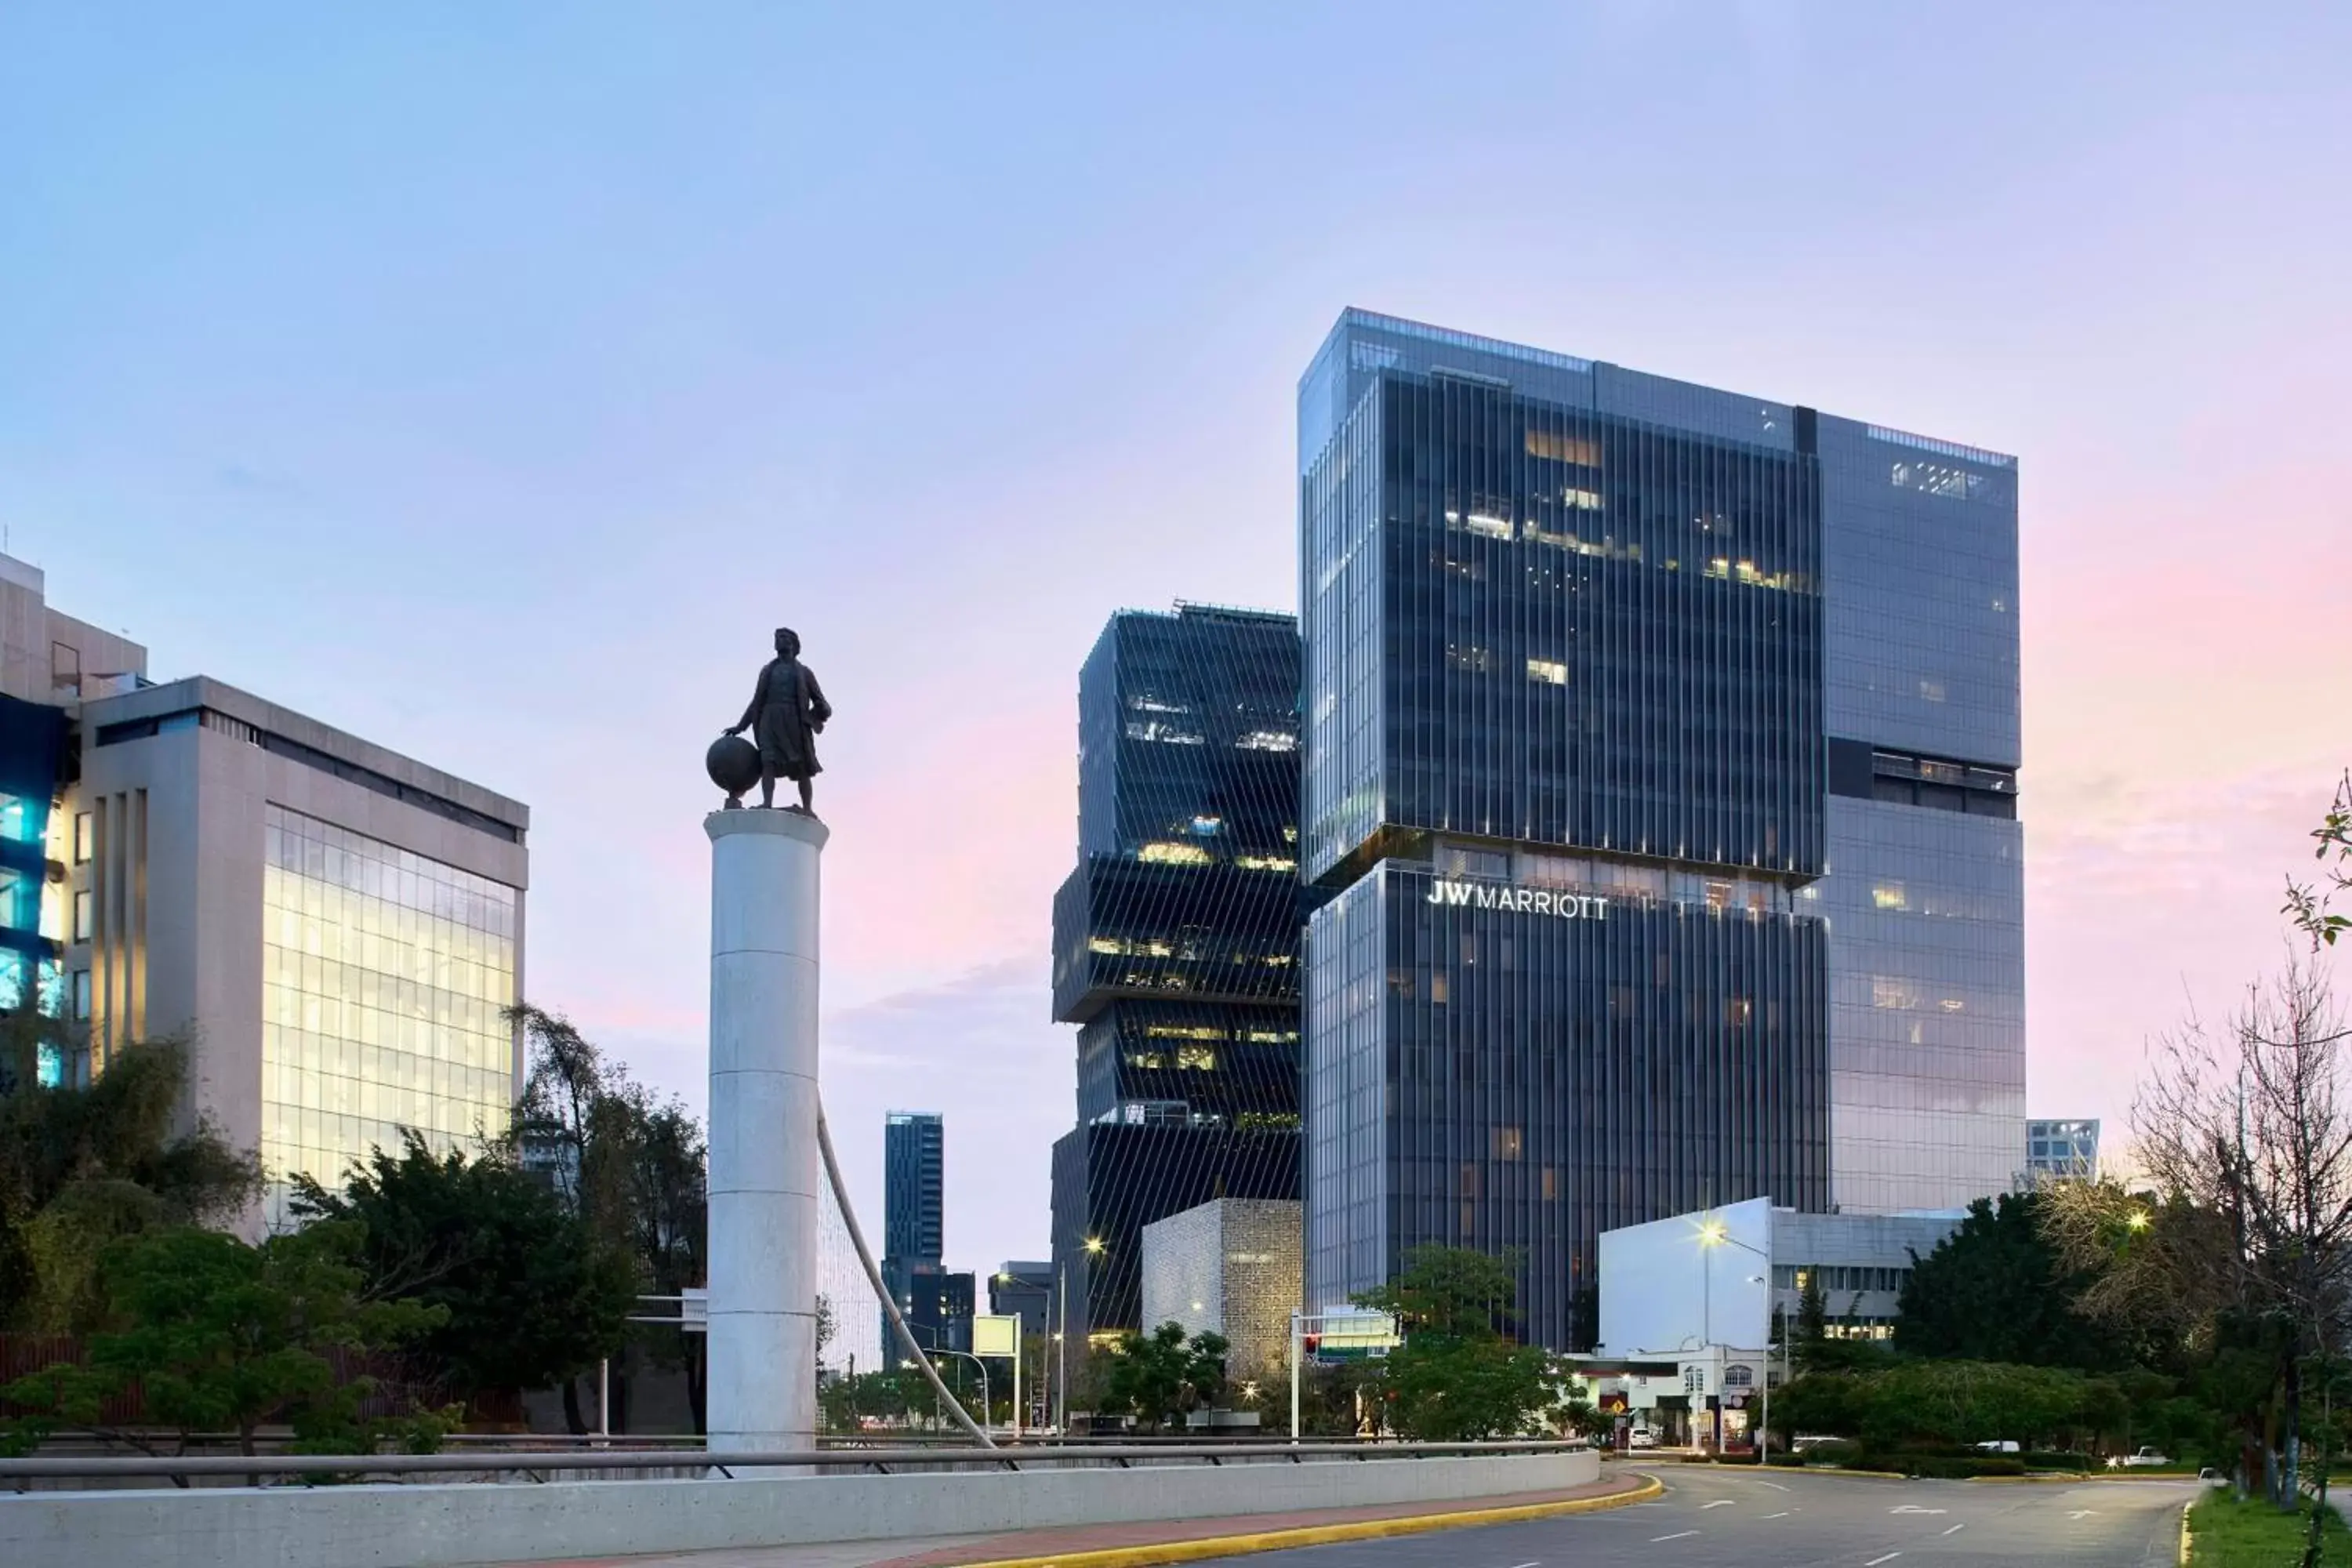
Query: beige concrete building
[[338, 928], [1230, 1265]]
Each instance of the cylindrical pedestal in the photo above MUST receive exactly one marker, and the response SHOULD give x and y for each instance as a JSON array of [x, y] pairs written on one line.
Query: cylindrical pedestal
[[765, 1169]]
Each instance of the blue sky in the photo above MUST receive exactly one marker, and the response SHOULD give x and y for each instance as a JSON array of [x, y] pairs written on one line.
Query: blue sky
[[488, 381]]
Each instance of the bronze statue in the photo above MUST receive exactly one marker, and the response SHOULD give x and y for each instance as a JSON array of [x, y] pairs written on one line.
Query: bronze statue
[[788, 711]]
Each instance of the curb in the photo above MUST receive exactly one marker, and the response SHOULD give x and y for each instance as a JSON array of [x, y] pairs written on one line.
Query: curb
[[1152, 1553], [2184, 1533]]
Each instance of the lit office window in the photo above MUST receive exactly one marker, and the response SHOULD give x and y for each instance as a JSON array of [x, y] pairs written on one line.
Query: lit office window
[[385, 978]]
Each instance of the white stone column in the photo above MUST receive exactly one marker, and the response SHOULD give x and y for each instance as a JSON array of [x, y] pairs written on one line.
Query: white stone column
[[766, 1174]]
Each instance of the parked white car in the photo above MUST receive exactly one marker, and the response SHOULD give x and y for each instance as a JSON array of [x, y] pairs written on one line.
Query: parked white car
[[1642, 1438], [2146, 1459]]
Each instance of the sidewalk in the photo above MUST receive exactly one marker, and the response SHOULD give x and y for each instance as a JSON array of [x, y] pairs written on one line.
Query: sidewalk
[[1153, 1541]]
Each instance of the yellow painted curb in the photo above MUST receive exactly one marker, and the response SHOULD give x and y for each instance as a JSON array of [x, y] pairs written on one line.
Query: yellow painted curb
[[2184, 1533], [1159, 1551]]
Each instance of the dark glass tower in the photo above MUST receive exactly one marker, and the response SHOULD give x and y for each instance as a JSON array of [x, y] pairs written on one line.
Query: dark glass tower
[[1564, 780], [913, 1182], [1176, 939]]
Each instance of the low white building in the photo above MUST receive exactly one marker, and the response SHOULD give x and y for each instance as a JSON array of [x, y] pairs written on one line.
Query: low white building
[[1692, 1299]]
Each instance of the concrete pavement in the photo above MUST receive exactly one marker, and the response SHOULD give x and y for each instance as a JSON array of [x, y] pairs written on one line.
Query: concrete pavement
[[1158, 1541], [1739, 1518]]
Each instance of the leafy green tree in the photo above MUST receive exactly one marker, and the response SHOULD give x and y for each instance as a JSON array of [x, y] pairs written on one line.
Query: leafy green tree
[[85, 1163], [1994, 1290], [1457, 1377], [218, 1335], [634, 1170], [530, 1296], [1159, 1376]]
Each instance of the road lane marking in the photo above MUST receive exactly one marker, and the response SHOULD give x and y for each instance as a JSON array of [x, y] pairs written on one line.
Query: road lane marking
[[2082, 1514], [1915, 1508], [1719, 1503], [1874, 1561], [1782, 1514], [1956, 1529], [1774, 1485], [1677, 1535], [1537, 1564]]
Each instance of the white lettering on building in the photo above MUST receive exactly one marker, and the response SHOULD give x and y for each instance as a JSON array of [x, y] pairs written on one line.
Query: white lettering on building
[[1560, 905]]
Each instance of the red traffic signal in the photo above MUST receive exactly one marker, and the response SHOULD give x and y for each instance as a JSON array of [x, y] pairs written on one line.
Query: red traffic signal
[[1312, 1343]]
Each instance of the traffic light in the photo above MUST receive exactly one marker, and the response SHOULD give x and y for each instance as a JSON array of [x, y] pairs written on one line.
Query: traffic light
[[1312, 1343]]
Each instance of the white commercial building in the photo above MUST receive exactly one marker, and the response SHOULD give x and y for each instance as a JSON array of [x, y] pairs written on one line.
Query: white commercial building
[[1701, 1291], [336, 928]]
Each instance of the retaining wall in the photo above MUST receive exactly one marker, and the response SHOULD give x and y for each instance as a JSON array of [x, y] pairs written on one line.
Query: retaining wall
[[438, 1526]]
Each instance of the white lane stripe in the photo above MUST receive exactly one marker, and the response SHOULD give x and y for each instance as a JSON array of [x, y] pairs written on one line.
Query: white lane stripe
[[1782, 1514], [1956, 1529], [1719, 1503], [1774, 1485], [1537, 1564], [1874, 1561], [1677, 1535]]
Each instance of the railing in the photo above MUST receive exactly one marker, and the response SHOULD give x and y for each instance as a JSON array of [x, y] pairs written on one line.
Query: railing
[[536, 1465]]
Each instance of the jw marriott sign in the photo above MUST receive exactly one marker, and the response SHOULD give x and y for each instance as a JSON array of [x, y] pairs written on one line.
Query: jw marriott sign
[[1560, 905]]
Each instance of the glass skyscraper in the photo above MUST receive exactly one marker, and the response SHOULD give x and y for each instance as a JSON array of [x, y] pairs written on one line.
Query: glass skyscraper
[[1584, 691], [1176, 938]]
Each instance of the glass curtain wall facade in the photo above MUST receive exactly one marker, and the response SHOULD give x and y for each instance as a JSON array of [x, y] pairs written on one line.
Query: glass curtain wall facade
[[385, 981], [1176, 938], [36, 915], [1564, 780], [1925, 891], [914, 1228]]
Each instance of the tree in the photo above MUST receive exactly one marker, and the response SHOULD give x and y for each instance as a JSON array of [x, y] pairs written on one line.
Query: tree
[[2311, 907], [2245, 1244], [220, 1335], [1161, 1375], [82, 1165], [634, 1170], [1457, 1377], [531, 1297], [1994, 1290]]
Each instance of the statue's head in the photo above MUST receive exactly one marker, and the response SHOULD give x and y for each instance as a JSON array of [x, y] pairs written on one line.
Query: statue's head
[[788, 642]]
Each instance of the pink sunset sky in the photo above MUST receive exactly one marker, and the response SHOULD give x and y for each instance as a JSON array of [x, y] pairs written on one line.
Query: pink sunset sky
[[489, 384]]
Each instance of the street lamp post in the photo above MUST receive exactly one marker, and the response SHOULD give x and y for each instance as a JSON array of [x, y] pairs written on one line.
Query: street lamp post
[[1094, 1247], [1713, 1234], [984, 1405]]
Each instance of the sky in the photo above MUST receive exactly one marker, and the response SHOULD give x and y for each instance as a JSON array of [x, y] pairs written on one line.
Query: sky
[[489, 382]]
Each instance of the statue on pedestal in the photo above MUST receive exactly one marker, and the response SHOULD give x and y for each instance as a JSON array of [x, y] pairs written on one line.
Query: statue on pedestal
[[787, 713]]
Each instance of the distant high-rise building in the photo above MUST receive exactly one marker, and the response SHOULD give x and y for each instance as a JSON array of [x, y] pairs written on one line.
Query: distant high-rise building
[[914, 1207], [2058, 1151], [914, 1185], [1023, 1290], [1659, 806], [336, 928], [1176, 939]]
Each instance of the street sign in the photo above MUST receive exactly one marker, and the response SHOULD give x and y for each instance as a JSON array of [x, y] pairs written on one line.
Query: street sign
[[994, 1333]]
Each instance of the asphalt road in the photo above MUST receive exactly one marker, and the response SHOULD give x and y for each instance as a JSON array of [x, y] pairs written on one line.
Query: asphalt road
[[1725, 1516]]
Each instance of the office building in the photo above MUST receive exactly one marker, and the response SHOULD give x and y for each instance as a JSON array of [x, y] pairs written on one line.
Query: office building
[[1698, 1279], [1176, 939], [914, 1222], [937, 1303], [914, 1185], [1229, 1267], [1644, 735], [1024, 1289], [2060, 1151], [338, 928]]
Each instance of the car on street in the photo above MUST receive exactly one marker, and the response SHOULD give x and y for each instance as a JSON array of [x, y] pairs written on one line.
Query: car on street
[[2146, 1459], [1642, 1438]]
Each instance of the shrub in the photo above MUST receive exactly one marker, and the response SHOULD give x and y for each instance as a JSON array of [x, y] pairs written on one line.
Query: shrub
[[2058, 1460]]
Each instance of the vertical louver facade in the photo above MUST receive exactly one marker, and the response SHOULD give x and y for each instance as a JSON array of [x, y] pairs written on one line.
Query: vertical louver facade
[[1176, 939]]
